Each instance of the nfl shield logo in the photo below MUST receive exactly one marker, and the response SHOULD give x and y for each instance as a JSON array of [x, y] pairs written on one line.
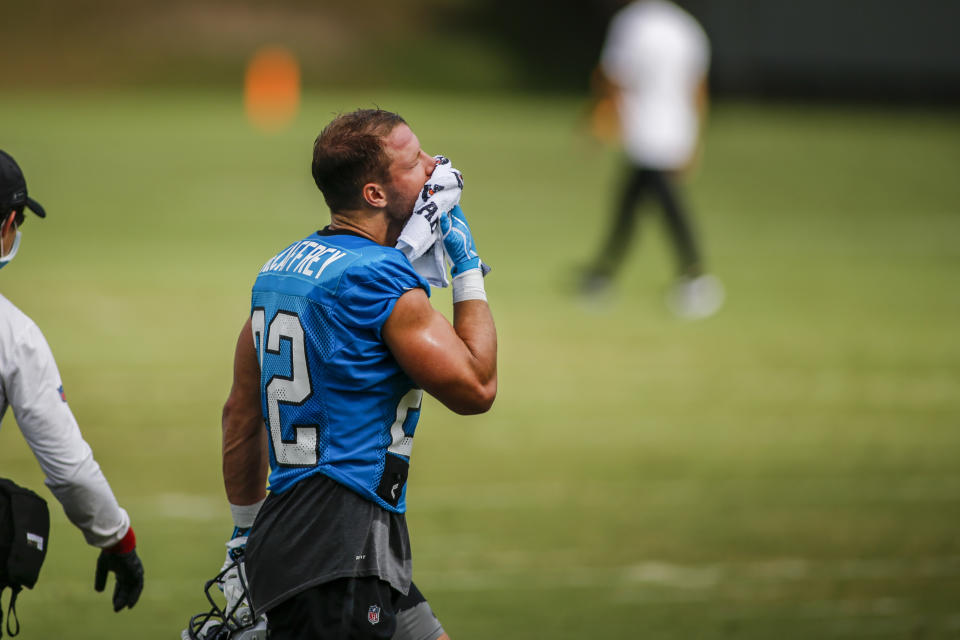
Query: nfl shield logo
[[373, 614]]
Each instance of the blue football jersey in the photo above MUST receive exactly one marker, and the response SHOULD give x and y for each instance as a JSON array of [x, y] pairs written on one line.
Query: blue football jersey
[[334, 399]]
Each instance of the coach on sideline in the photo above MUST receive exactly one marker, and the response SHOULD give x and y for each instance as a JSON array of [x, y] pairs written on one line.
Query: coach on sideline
[[30, 384]]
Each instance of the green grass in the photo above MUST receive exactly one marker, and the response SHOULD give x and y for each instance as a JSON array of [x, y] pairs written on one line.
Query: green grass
[[786, 469]]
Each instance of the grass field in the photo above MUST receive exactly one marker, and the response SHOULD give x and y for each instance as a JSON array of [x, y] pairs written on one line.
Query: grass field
[[787, 469]]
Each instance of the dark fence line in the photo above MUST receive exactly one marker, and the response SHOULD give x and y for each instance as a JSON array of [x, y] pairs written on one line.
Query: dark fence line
[[819, 48]]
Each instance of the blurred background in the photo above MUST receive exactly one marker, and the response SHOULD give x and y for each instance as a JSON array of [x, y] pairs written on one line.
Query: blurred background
[[787, 468], [862, 49]]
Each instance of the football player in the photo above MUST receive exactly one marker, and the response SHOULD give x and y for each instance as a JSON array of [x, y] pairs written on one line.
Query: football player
[[329, 373]]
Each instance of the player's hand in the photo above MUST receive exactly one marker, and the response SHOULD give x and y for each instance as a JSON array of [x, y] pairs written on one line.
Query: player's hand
[[458, 241], [236, 545], [129, 572]]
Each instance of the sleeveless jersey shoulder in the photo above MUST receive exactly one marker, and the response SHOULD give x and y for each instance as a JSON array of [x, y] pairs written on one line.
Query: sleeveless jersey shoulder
[[356, 276], [370, 287]]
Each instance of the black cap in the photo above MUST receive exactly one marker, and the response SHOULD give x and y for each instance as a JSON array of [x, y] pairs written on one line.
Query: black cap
[[13, 188]]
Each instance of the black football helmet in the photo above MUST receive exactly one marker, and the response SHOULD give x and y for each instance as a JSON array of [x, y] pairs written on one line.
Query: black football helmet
[[234, 620]]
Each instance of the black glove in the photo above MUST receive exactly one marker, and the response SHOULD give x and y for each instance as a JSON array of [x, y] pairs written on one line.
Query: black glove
[[129, 572]]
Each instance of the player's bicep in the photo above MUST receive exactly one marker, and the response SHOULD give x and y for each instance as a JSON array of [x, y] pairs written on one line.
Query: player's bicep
[[428, 349], [242, 417], [245, 391]]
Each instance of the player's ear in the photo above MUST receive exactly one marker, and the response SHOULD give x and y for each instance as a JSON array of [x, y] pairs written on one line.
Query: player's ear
[[375, 195], [8, 222]]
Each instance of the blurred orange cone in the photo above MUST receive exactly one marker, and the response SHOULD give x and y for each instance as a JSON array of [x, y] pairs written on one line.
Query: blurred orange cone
[[271, 89]]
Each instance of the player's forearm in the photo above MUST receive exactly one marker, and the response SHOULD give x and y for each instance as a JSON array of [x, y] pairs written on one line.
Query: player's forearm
[[473, 322], [244, 456]]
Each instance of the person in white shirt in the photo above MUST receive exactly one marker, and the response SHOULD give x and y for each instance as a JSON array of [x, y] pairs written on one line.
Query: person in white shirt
[[30, 385], [651, 88]]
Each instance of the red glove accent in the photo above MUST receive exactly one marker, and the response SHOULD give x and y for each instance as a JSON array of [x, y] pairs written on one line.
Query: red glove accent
[[127, 544]]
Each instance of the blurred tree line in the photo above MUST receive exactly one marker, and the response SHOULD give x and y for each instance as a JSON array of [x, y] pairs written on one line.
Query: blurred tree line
[[853, 48], [866, 49]]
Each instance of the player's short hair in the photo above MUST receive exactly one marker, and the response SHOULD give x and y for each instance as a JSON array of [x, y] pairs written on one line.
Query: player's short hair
[[349, 153]]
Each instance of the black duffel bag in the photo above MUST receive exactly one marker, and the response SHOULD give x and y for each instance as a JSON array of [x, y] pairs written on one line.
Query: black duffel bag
[[24, 536]]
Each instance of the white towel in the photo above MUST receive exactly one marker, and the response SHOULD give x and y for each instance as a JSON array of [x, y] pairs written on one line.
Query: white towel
[[420, 239]]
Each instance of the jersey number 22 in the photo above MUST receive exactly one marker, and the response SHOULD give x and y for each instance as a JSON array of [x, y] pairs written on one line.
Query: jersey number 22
[[301, 451]]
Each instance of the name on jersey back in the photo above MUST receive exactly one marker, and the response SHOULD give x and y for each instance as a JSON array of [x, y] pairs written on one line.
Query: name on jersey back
[[302, 257]]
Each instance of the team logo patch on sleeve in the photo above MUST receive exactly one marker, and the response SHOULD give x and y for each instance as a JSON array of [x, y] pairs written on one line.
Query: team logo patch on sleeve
[[63, 396], [373, 614]]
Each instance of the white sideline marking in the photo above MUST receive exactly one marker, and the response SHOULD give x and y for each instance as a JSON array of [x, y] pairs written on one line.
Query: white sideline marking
[[911, 489], [756, 576], [672, 575]]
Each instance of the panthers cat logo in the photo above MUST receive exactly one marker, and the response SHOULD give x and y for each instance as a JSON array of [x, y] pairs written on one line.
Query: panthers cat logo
[[430, 189]]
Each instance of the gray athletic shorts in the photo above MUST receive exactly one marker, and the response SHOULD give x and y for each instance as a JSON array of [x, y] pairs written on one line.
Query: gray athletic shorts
[[415, 618]]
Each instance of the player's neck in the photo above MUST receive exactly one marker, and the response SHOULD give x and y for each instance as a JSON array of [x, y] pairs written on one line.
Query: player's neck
[[374, 225]]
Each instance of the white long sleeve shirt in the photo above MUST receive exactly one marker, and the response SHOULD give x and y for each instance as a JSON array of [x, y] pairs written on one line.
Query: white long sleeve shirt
[[30, 384]]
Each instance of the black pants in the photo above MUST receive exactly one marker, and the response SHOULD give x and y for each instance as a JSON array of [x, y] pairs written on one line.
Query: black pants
[[640, 182], [345, 609]]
